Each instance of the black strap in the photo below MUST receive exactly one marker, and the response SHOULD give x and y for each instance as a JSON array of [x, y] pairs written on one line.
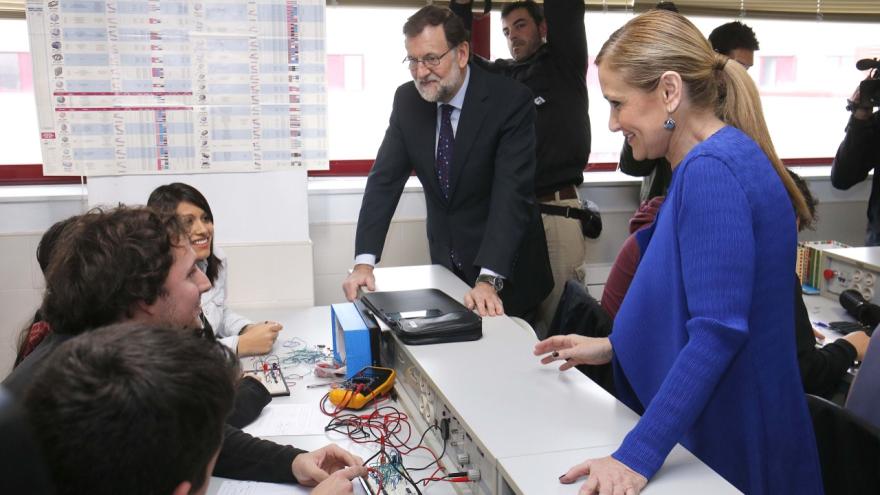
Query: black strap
[[565, 211]]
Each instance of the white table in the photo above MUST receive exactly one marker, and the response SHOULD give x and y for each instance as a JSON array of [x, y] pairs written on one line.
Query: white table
[[534, 421], [824, 310]]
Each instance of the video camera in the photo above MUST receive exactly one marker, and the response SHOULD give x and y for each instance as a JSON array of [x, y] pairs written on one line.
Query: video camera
[[867, 313], [869, 89]]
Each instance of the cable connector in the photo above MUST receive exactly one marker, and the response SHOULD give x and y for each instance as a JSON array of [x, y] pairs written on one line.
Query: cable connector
[[444, 429]]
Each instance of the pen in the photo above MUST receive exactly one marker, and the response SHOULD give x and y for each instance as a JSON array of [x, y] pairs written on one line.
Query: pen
[[821, 324]]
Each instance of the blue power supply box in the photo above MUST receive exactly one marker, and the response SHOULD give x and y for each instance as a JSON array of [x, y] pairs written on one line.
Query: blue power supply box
[[355, 341]]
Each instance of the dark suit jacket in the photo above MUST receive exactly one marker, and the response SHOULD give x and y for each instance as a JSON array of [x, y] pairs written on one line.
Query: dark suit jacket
[[491, 219]]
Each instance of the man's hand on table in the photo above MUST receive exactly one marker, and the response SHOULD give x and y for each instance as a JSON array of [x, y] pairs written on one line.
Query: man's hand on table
[[361, 275], [312, 468], [484, 299]]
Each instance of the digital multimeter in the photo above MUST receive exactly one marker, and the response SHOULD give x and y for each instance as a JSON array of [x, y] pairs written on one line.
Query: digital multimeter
[[364, 386]]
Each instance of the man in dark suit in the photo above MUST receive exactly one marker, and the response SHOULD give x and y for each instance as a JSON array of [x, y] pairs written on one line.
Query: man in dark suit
[[469, 136]]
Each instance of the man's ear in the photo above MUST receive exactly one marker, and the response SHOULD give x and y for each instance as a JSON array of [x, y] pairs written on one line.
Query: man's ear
[[184, 487], [141, 309], [672, 90], [464, 53], [542, 30]]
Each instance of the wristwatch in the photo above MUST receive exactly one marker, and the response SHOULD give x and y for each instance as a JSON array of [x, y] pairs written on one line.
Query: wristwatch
[[496, 282]]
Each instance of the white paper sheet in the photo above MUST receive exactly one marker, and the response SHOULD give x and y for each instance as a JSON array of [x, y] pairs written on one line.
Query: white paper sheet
[[288, 419], [235, 487]]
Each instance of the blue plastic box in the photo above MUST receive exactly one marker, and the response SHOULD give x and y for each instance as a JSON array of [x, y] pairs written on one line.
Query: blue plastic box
[[351, 338]]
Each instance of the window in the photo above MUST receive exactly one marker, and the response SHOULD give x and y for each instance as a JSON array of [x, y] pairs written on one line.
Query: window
[[15, 72], [805, 70], [18, 120], [345, 72], [777, 71], [363, 72]]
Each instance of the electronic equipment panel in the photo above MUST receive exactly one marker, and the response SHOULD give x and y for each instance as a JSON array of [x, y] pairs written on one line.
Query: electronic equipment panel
[[856, 268]]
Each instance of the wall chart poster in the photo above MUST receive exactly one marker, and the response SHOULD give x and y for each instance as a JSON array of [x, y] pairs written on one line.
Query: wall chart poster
[[186, 86]]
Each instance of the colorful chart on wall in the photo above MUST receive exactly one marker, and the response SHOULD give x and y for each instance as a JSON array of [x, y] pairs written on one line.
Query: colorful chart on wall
[[186, 86]]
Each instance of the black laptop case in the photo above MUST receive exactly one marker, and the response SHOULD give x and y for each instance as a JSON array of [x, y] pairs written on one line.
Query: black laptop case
[[425, 316]]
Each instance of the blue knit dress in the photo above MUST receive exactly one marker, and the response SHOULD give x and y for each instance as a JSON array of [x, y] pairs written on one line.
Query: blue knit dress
[[703, 343]]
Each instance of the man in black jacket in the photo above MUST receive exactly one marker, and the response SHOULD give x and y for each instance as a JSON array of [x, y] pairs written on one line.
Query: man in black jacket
[[858, 154], [133, 265], [469, 137], [549, 55]]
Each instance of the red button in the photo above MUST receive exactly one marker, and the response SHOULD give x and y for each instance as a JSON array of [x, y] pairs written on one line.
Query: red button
[[829, 274]]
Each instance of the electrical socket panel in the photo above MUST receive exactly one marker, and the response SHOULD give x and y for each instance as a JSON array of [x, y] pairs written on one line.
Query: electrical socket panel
[[427, 407], [852, 268]]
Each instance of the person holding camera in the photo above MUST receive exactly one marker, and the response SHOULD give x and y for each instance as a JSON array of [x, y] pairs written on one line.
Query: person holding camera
[[548, 50], [859, 152]]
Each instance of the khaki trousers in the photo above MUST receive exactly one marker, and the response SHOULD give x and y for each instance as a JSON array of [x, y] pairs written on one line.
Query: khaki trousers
[[566, 248]]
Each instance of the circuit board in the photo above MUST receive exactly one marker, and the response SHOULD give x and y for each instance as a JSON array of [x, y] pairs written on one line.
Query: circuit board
[[388, 478], [271, 378]]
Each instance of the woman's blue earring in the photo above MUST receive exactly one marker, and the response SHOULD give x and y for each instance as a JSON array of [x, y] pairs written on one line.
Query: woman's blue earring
[[669, 124]]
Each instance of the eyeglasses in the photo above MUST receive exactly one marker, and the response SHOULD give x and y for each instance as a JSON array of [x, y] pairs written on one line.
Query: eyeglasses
[[428, 60]]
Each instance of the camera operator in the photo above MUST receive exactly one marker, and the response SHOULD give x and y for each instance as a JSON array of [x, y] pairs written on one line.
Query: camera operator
[[859, 152]]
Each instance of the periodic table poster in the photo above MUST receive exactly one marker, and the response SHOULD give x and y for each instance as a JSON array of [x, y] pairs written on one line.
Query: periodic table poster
[[186, 86]]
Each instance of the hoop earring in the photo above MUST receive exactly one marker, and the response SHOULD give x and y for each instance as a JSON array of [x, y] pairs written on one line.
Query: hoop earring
[[669, 124]]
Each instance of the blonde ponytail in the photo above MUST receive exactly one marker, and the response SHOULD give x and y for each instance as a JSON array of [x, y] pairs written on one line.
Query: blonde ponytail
[[659, 41], [739, 105]]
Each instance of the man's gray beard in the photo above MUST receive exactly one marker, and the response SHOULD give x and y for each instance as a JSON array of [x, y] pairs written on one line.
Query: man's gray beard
[[443, 94], [429, 98], [444, 91]]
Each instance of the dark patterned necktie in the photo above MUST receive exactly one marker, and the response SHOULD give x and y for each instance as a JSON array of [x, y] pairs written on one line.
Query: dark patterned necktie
[[444, 161], [444, 149]]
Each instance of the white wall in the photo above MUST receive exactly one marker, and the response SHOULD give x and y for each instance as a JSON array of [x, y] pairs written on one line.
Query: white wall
[[334, 205], [261, 222], [248, 207], [25, 212]]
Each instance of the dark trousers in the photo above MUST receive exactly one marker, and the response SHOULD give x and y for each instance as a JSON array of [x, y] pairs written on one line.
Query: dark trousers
[[578, 312]]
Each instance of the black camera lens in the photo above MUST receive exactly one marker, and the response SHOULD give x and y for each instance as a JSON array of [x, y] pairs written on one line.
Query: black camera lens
[[851, 301], [869, 89]]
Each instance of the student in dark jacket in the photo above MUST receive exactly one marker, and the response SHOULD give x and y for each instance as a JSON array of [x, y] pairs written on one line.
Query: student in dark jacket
[[125, 382], [822, 369], [134, 265], [250, 397]]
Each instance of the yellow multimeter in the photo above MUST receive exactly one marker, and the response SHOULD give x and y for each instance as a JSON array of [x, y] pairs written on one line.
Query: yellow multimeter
[[364, 386]]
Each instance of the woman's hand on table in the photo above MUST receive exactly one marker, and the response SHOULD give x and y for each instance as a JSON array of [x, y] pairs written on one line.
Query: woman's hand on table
[[574, 350], [258, 338]]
